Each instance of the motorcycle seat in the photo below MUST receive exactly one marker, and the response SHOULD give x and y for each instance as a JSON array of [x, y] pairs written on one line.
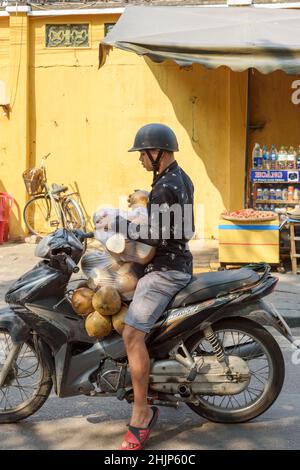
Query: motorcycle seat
[[209, 285]]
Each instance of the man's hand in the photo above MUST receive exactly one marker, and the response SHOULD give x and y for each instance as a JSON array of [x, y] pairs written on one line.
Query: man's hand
[[104, 220], [106, 223]]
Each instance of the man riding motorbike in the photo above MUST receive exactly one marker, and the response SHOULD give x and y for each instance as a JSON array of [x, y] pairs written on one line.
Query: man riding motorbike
[[169, 271]]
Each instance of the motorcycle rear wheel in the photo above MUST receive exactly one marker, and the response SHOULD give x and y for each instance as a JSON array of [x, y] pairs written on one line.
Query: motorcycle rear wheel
[[228, 409], [27, 385]]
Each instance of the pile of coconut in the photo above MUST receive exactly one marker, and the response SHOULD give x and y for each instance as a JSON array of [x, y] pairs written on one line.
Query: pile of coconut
[[112, 271]]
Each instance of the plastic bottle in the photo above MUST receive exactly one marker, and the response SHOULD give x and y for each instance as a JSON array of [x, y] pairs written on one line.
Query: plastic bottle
[[278, 194], [272, 194], [298, 159], [296, 194], [291, 158], [282, 158], [273, 156], [291, 193], [285, 194], [259, 194], [266, 194], [257, 157], [265, 158]]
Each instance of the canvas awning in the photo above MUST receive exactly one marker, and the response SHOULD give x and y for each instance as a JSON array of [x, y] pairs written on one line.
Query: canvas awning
[[239, 38]]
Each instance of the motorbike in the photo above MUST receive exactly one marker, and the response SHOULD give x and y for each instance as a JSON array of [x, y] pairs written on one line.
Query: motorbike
[[211, 350]]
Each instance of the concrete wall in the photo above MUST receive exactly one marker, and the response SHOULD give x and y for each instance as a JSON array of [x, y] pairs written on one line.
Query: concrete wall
[[87, 118]]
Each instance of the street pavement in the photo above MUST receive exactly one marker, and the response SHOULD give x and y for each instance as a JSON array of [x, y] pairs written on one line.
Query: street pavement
[[99, 423]]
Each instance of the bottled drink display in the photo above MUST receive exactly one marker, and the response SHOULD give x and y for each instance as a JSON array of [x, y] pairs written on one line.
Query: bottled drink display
[[287, 158], [282, 192]]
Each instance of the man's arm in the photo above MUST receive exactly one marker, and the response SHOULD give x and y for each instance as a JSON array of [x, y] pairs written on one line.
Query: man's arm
[[153, 233]]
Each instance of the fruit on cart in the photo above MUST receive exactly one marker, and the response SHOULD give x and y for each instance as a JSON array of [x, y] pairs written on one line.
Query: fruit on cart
[[249, 215], [118, 319], [82, 301], [107, 301], [98, 325]]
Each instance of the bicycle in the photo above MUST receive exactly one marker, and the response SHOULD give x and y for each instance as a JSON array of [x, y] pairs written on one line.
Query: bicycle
[[49, 207]]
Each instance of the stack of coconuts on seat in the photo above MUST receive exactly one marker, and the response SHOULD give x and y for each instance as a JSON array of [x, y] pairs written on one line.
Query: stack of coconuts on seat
[[112, 273]]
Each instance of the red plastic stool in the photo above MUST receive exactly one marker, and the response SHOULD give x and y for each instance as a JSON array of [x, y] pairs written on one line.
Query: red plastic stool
[[6, 203]]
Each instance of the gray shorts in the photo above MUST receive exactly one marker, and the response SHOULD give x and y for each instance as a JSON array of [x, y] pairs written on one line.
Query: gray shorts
[[152, 295]]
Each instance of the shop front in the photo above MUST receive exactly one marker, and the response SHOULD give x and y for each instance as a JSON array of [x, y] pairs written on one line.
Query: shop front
[[262, 49]]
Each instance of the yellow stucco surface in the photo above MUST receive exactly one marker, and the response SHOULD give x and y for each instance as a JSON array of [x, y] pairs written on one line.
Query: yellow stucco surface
[[87, 118]]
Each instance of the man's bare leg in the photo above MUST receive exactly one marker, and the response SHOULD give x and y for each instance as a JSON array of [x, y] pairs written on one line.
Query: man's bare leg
[[139, 364]]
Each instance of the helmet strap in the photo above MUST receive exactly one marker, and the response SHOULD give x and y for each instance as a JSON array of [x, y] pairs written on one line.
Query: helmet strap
[[155, 163]]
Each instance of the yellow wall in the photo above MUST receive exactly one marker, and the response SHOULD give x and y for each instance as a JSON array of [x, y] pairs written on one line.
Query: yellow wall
[[87, 119]]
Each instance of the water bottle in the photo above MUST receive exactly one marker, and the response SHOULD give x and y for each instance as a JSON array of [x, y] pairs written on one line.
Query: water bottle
[[265, 158], [257, 157], [298, 159], [259, 194], [273, 156], [291, 158], [272, 195], [282, 158], [285, 194], [266, 194]]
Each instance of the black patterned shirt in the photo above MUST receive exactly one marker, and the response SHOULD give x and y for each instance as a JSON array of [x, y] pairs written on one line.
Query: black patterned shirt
[[172, 225]]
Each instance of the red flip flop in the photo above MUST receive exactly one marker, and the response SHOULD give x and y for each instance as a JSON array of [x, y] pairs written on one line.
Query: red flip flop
[[138, 437]]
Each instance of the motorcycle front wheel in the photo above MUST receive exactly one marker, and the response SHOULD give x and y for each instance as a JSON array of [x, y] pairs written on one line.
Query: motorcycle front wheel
[[255, 345], [28, 383]]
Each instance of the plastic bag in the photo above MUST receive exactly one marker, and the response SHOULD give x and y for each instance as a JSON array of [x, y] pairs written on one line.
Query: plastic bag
[[103, 270], [131, 251], [100, 260], [121, 248]]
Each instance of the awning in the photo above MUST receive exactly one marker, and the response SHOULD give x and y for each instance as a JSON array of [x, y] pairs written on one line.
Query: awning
[[238, 37]]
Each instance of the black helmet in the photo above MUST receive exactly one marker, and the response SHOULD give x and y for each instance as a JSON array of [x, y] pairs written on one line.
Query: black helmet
[[155, 136]]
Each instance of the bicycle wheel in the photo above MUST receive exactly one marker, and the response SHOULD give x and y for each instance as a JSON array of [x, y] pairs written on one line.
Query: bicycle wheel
[[74, 218], [39, 216]]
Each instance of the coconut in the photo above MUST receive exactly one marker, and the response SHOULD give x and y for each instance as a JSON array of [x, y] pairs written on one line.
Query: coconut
[[107, 301], [82, 300], [118, 319], [138, 199], [116, 244], [98, 325], [101, 277], [126, 282]]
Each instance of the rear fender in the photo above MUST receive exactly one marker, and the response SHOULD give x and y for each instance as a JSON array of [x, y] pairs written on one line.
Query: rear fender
[[260, 311]]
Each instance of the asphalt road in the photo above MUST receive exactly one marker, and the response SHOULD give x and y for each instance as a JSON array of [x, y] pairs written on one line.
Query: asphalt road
[[99, 423]]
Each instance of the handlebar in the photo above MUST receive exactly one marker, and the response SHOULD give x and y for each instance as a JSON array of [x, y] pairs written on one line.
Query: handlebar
[[83, 235]]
